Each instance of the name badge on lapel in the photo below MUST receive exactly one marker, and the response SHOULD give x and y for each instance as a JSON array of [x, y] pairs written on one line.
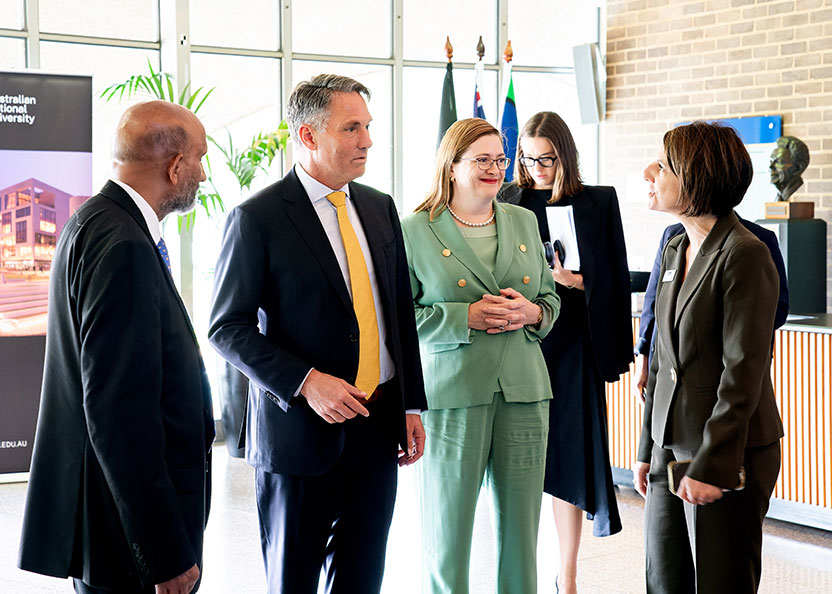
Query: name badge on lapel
[[669, 275]]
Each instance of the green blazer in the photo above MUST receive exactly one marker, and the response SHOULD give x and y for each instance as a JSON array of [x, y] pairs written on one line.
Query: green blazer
[[462, 366], [709, 391]]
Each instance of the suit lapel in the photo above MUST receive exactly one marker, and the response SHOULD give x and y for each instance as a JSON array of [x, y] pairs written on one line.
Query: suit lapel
[[702, 263], [117, 194], [506, 240], [446, 231], [373, 226], [673, 263], [300, 211], [583, 208]]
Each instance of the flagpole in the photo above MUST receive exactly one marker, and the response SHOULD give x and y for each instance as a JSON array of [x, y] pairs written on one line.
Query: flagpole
[[479, 110], [447, 109], [508, 113]]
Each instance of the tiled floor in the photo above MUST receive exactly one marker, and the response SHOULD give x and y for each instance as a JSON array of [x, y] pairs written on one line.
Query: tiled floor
[[796, 560]]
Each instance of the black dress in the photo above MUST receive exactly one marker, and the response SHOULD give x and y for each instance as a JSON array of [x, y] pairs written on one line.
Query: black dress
[[577, 458]]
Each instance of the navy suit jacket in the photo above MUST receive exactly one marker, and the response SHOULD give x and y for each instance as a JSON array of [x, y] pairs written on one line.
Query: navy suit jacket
[[281, 307], [648, 319]]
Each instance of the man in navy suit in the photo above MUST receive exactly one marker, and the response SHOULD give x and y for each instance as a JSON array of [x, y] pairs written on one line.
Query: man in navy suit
[[289, 310], [119, 488], [643, 347]]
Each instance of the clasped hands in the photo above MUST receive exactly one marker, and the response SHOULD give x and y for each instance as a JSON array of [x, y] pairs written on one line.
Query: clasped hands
[[505, 312]]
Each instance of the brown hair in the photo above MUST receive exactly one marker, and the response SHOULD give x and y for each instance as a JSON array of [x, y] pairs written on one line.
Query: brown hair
[[456, 141], [549, 125], [712, 164]]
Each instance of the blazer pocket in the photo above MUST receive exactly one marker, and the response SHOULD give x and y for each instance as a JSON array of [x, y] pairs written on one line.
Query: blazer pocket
[[441, 348]]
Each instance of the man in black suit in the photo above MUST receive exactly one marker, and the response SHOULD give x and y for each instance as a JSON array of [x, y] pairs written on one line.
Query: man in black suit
[[119, 485], [312, 301]]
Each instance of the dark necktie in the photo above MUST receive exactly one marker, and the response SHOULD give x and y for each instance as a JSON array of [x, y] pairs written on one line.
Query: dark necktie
[[163, 250]]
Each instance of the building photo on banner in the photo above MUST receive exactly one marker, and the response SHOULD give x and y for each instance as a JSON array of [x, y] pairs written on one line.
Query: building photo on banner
[[45, 175]]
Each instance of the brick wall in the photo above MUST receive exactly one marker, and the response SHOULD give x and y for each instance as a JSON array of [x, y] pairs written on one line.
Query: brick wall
[[670, 61]]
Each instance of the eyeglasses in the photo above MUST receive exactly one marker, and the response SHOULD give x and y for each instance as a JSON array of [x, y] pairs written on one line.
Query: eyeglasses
[[544, 161], [485, 163]]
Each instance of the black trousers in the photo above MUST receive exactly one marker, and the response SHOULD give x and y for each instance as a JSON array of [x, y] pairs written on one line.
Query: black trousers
[[339, 520], [82, 588], [713, 548]]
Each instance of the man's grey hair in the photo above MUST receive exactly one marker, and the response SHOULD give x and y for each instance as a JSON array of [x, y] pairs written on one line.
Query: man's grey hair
[[310, 100]]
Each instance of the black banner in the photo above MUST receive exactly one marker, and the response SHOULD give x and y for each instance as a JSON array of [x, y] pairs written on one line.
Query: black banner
[[45, 175]]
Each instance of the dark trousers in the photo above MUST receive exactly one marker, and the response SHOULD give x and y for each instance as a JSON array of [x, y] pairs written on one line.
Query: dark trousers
[[82, 588], [338, 520], [713, 548]]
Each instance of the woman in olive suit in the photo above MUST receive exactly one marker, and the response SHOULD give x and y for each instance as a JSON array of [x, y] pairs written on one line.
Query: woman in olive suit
[[709, 397], [484, 298]]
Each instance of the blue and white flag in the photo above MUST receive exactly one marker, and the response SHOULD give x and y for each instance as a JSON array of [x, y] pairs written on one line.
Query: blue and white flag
[[479, 112]]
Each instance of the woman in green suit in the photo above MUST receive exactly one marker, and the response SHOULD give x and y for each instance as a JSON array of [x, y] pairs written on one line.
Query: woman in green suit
[[484, 298]]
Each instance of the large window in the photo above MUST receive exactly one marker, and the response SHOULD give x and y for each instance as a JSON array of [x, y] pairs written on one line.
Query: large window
[[252, 53]]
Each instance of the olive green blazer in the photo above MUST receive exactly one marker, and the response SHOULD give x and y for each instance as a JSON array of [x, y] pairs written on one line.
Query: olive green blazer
[[709, 391], [462, 366]]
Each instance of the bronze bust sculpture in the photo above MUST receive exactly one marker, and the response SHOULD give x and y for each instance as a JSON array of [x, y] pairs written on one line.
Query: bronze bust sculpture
[[788, 160]]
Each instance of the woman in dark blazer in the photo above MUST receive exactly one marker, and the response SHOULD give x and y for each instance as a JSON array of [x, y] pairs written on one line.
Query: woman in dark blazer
[[709, 398], [484, 298], [591, 341]]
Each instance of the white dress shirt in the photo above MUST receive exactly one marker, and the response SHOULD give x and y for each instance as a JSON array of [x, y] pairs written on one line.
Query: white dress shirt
[[147, 211], [326, 211]]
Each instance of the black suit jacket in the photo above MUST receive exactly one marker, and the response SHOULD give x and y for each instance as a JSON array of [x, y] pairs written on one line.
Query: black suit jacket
[[709, 391], [605, 273], [119, 483], [281, 307], [648, 319]]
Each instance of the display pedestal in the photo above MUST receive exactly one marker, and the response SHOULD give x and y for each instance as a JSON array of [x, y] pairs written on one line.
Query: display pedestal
[[803, 245]]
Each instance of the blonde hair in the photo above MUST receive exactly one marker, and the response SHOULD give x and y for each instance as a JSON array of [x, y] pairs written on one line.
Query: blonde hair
[[549, 125], [456, 141]]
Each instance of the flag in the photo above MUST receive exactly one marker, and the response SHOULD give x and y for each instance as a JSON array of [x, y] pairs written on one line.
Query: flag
[[508, 122], [479, 112], [447, 112]]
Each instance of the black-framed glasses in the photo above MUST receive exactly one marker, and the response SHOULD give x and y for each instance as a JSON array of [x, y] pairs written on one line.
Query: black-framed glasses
[[485, 163], [544, 161]]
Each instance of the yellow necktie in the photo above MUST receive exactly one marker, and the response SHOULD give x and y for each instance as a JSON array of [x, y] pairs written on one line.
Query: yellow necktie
[[362, 299]]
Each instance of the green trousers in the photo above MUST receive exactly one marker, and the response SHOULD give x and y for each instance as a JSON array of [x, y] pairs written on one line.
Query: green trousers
[[503, 446]]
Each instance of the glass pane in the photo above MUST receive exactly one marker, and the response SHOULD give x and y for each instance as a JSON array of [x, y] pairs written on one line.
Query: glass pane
[[12, 53], [421, 100], [543, 32], [253, 24], [107, 65], [245, 101], [128, 19], [343, 28], [11, 14], [379, 80], [428, 22], [535, 92]]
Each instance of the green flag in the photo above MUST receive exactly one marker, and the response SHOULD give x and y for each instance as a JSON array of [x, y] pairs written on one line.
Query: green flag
[[447, 112]]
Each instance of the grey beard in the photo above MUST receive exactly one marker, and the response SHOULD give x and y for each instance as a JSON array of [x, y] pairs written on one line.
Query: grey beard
[[181, 200]]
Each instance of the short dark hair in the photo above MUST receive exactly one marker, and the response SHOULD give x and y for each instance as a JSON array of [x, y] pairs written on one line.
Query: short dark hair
[[712, 164], [310, 99]]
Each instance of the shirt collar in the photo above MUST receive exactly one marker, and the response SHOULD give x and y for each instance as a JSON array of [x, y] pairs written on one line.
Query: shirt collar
[[147, 211], [315, 189]]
